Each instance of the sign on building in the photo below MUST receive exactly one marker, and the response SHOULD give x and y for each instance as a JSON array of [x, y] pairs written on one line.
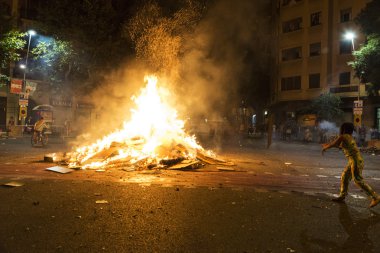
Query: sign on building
[[16, 86]]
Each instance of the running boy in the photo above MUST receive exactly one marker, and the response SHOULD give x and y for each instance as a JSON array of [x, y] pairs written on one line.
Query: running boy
[[355, 164]]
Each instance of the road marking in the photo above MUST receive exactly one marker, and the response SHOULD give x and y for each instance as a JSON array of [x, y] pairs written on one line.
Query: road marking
[[376, 178], [337, 177], [321, 176], [355, 196], [304, 175], [285, 174], [268, 173]]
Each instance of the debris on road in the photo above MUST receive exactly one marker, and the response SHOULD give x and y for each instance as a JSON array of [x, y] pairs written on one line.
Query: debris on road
[[225, 168], [60, 169], [178, 158], [101, 201], [13, 184]]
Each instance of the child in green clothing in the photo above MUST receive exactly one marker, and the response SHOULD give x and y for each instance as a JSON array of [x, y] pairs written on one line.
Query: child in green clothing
[[355, 164]]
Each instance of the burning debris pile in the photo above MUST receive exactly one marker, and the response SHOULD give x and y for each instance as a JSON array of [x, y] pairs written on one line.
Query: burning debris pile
[[153, 138]]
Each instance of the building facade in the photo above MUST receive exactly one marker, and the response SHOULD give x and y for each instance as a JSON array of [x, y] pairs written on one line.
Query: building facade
[[313, 55]]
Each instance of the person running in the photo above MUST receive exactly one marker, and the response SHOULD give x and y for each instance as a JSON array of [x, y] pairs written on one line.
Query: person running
[[355, 164]]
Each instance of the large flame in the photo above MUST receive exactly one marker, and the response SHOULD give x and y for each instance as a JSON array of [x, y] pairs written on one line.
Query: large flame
[[153, 127]]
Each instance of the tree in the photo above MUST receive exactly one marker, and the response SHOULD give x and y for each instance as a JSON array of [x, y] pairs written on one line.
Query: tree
[[91, 30], [327, 107], [11, 45], [56, 60], [367, 60]]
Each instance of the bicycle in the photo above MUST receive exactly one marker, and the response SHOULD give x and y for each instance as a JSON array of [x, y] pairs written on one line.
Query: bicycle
[[39, 138]]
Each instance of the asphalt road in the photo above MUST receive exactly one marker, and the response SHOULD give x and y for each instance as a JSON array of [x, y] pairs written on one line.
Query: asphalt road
[[273, 200]]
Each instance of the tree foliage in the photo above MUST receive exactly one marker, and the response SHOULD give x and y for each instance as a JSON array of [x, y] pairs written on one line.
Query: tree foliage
[[367, 64], [11, 46], [367, 60], [56, 59], [327, 107], [91, 33]]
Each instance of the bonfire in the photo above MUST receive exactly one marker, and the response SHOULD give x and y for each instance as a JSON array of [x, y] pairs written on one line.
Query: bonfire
[[154, 137]]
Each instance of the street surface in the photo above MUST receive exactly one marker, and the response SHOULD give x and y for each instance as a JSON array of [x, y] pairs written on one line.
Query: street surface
[[272, 200]]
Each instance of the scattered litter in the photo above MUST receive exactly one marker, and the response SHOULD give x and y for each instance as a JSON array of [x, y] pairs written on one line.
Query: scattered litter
[[290, 250], [14, 184], [101, 201], [186, 164], [225, 168], [60, 169], [128, 169]]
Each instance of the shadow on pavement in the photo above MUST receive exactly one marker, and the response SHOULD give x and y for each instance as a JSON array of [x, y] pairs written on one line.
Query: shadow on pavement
[[357, 234]]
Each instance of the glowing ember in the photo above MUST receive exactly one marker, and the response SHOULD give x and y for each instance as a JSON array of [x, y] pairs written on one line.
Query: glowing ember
[[154, 133]]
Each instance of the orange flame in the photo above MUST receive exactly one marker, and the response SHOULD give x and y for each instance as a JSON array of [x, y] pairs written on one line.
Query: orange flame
[[153, 124]]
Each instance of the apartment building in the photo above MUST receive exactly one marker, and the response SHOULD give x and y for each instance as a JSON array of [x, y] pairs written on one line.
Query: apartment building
[[313, 54]]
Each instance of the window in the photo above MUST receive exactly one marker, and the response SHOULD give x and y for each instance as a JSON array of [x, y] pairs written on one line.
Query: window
[[378, 119], [292, 54], [315, 49], [314, 81], [292, 25], [345, 78], [345, 15], [291, 83], [315, 18], [345, 47]]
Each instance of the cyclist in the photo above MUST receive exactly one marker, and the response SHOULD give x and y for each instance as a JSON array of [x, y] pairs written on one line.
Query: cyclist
[[39, 127]]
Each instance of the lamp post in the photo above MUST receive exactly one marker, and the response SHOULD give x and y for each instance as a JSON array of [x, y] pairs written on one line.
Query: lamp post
[[25, 67], [358, 105], [23, 109], [351, 36]]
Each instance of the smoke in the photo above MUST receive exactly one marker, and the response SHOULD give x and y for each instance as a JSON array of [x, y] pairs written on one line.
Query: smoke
[[212, 63], [329, 128], [215, 58]]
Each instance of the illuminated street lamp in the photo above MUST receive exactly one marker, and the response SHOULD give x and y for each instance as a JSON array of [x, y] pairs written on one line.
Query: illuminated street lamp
[[31, 33], [351, 36]]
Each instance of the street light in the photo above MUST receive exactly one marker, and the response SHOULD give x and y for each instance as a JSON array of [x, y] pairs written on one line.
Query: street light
[[358, 106], [31, 33], [351, 36]]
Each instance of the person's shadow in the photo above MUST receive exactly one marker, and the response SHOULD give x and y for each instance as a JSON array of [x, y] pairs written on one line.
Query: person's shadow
[[356, 229]]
